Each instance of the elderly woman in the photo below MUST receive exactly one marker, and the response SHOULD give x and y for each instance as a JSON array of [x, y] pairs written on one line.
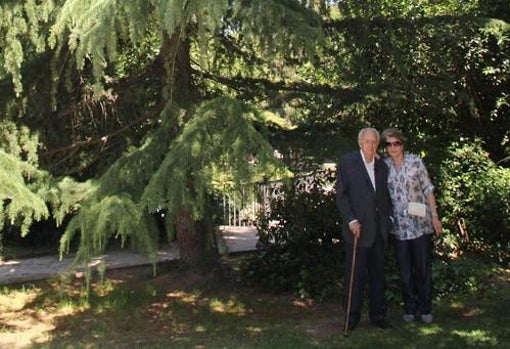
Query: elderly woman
[[415, 220]]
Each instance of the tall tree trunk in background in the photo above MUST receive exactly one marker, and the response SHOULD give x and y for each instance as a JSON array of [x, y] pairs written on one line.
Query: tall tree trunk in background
[[175, 54], [190, 234]]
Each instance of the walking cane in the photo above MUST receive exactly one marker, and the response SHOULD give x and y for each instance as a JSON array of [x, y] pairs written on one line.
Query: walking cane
[[351, 281]]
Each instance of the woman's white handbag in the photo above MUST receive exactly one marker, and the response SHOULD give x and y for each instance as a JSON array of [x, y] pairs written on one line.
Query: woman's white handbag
[[416, 209]]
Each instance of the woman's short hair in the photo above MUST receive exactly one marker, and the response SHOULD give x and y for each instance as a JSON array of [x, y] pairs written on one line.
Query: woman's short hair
[[395, 133]]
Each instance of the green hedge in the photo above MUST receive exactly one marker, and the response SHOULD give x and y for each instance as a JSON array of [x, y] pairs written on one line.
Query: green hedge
[[474, 198]]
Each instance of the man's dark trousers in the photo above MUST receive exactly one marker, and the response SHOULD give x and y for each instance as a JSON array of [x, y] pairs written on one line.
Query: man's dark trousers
[[369, 264]]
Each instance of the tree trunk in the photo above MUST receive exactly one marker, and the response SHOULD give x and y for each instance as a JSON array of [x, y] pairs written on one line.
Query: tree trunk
[[176, 57], [190, 239], [190, 235]]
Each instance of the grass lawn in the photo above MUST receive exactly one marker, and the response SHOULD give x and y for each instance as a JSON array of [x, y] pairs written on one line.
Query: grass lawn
[[184, 308]]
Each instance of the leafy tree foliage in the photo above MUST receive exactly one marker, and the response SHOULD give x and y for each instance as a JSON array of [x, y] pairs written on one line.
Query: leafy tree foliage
[[195, 149], [175, 177], [131, 99], [422, 68], [22, 27], [21, 181]]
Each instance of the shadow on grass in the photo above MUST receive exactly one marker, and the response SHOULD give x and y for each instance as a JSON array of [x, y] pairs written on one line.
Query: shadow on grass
[[186, 308]]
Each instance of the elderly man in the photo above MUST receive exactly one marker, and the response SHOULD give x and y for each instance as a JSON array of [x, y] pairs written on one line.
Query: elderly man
[[365, 206]]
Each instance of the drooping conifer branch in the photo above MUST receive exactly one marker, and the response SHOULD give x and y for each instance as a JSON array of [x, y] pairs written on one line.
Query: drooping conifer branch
[[22, 183], [217, 141]]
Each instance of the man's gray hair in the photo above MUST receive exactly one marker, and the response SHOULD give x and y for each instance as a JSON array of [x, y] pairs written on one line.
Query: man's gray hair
[[368, 129]]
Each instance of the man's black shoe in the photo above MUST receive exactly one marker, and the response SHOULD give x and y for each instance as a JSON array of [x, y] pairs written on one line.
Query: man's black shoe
[[351, 326], [383, 323]]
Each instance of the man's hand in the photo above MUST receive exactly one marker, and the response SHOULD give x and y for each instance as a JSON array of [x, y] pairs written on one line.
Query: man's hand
[[355, 228]]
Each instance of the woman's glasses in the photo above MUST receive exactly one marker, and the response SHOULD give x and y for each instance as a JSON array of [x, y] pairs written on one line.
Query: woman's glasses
[[394, 144]]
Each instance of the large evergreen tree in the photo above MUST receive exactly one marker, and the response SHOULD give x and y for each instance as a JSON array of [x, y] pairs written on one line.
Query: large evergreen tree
[[179, 137], [147, 107]]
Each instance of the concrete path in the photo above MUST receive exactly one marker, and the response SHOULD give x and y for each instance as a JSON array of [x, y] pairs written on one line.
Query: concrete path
[[231, 240], [237, 239]]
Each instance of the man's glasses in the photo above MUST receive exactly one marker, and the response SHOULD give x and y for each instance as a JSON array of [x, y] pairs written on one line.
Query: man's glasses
[[394, 144]]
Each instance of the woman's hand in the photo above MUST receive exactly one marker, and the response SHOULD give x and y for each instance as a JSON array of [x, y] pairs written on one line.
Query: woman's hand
[[436, 223]]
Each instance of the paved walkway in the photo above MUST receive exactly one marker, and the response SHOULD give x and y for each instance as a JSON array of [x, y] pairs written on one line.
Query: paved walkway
[[231, 240]]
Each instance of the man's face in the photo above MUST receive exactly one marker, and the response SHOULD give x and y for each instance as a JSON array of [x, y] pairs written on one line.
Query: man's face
[[368, 144]]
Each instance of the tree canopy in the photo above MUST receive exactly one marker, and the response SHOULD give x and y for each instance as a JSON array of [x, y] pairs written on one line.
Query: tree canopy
[[142, 107]]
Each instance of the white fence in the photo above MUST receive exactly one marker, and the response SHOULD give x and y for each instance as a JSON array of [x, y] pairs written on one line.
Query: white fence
[[242, 208]]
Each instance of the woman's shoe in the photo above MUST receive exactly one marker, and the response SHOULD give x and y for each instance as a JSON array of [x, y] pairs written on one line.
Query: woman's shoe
[[408, 317], [427, 318]]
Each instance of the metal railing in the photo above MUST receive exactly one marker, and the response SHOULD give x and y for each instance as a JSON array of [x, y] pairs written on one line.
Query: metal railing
[[243, 207]]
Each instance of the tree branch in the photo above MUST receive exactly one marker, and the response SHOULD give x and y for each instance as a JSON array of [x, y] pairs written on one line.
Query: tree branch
[[239, 82]]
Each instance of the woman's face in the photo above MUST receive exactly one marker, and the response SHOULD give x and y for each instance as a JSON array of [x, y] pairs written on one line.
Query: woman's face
[[394, 146]]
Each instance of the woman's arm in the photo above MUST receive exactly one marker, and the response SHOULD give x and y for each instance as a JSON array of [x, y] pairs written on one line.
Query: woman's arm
[[436, 223]]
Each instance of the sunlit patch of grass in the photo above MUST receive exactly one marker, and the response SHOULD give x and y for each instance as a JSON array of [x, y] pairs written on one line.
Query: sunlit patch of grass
[[456, 305], [14, 300], [476, 338], [184, 297], [302, 303], [106, 287], [254, 329], [24, 318], [473, 312], [466, 312], [230, 306], [429, 330], [200, 329], [67, 309]]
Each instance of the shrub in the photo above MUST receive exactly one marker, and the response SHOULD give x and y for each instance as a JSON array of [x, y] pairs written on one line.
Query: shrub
[[475, 200], [460, 278], [299, 241]]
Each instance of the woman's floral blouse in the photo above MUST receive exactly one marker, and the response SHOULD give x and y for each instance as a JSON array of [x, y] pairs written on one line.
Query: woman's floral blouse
[[411, 183]]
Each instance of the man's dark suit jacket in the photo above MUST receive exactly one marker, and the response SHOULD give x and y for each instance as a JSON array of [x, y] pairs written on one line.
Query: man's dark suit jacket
[[357, 199]]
